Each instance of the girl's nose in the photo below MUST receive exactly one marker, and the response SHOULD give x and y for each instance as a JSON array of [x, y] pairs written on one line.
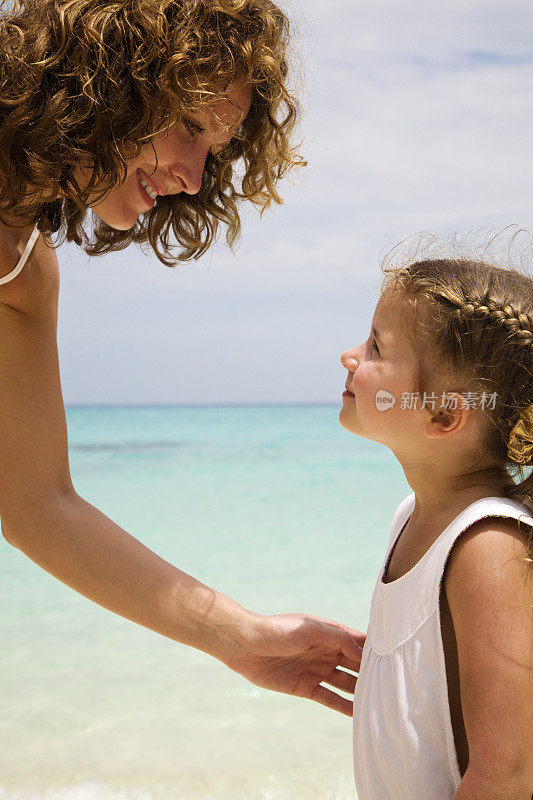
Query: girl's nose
[[349, 359]]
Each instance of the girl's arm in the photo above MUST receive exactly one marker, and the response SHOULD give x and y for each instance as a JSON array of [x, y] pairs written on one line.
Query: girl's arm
[[46, 519], [489, 588]]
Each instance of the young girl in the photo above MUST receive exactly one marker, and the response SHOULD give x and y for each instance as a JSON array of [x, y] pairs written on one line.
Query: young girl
[[444, 701]]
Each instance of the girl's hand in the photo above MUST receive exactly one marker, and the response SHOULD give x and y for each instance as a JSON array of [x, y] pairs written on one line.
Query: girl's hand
[[295, 653]]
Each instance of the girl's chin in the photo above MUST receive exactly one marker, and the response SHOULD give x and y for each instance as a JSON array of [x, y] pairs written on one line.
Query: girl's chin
[[347, 420]]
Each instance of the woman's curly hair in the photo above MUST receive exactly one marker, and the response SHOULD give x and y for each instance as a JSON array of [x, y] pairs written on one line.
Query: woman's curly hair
[[88, 83]]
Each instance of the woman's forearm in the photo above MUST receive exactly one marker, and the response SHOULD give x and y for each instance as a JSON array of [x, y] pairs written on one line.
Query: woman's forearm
[[79, 545], [291, 653]]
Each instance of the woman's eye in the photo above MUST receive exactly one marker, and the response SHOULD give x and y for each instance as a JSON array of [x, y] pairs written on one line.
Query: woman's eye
[[374, 346], [193, 128]]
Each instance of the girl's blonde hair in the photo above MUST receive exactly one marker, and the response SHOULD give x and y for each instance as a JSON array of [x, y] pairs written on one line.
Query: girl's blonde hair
[[87, 83], [472, 325]]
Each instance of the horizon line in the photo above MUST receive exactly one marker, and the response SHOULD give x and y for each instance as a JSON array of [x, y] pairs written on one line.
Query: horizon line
[[229, 404]]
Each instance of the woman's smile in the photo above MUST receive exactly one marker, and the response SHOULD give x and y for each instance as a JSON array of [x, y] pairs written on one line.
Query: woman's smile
[[152, 184], [149, 201]]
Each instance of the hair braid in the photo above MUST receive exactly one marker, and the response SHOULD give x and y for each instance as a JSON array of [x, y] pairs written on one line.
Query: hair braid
[[511, 318]]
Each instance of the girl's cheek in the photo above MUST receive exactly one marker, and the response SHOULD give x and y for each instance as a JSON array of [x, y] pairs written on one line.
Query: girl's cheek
[[360, 380]]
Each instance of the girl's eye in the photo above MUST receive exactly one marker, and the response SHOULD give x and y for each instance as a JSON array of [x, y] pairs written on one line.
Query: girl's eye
[[193, 128], [375, 347]]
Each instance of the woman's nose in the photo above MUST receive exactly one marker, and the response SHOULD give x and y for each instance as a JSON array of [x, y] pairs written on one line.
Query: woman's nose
[[192, 171], [349, 359]]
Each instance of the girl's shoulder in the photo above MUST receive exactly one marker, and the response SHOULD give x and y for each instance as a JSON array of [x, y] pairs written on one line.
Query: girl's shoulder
[[489, 571], [491, 539], [488, 527]]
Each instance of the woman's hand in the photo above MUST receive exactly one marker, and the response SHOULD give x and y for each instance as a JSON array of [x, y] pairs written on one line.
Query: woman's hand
[[296, 653]]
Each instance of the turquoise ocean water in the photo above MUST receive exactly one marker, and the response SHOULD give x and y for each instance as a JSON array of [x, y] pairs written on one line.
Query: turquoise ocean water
[[277, 507]]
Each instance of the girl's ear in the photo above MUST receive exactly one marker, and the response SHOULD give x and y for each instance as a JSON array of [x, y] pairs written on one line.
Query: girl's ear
[[450, 418]]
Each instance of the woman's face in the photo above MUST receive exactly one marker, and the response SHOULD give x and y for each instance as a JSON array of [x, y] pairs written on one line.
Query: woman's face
[[181, 155]]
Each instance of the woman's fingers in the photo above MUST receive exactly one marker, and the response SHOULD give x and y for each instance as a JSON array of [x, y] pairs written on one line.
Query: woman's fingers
[[349, 641], [344, 681], [357, 636], [349, 663], [352, 652], [334, 701]]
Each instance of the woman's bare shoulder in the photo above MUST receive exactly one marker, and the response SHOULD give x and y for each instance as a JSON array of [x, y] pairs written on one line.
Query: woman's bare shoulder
[[35, 289]]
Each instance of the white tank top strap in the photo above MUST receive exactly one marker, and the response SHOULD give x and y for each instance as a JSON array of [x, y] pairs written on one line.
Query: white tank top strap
[[481, 509], [24, 257], [400, 517]]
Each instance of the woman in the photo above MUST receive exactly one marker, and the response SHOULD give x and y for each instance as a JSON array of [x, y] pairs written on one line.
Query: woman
[[138, 111]]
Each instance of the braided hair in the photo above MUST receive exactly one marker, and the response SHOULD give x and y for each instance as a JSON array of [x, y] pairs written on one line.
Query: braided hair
[[473, 321]]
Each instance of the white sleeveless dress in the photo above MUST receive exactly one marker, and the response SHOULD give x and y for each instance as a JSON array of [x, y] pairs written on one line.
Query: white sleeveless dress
[[24, 257], [403, 737]]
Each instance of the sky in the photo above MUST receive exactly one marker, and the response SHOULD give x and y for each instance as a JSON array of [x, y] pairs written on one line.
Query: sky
[[416, 117]]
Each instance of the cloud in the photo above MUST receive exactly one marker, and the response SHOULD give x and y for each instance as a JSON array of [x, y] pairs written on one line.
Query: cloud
[[417, 116]]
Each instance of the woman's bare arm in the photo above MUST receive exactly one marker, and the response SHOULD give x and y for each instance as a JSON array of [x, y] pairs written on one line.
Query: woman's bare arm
[[45, 518]]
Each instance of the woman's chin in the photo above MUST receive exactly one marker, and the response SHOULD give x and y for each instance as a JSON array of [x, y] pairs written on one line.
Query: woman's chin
[[122, 227], [118, 223]]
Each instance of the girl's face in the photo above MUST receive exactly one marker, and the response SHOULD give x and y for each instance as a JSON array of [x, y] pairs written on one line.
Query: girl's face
[[381, 372], [181, 155]]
